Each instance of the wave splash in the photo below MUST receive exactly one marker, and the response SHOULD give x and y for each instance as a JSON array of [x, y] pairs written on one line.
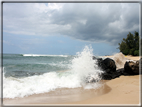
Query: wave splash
[[82, 67]]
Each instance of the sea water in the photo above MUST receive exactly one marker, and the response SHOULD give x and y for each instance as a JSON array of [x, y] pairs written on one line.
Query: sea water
[[27, 74]]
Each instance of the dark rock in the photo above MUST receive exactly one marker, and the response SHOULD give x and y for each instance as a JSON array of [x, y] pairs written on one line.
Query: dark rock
[[106, 76], [109, 76], [107, 65], [132, 68], [93, 57], [98, 59], [120, 70]]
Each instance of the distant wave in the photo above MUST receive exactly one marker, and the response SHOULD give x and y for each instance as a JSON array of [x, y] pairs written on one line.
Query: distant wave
[[44, 55]]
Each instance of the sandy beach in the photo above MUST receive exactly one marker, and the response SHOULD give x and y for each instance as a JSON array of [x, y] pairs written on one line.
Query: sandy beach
[[125, 90], [135, 58]]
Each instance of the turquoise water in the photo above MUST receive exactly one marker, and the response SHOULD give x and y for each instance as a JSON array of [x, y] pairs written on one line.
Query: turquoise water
[[23, 65]]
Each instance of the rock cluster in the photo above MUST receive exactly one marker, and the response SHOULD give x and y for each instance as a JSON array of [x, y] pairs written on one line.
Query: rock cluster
[[109, 67]]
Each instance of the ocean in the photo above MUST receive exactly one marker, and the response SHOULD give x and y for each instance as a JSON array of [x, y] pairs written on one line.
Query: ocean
[[28, 74]]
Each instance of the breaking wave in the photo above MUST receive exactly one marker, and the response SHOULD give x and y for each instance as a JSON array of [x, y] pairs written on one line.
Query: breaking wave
[[82, 66]]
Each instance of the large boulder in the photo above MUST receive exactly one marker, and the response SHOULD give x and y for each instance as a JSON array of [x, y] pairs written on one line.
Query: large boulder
[[132, 68], [108, 66]]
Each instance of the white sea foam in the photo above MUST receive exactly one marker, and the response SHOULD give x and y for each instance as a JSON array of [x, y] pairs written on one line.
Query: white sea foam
[[14, 87], [82, 66]]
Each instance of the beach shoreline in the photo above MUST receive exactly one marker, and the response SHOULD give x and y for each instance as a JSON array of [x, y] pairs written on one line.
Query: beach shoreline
[[124, 90], [129, 57]]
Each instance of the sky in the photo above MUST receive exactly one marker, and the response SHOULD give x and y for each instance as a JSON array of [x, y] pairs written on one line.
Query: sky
[[66, 28]]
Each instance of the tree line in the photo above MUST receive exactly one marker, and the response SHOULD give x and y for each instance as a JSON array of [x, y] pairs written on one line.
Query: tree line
[[130, 45]]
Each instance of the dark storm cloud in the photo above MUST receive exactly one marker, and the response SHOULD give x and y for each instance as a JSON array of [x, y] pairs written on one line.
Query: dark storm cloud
[[94, 22], [99, 22]]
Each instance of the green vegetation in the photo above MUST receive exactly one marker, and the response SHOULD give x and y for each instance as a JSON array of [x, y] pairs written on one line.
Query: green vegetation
[[130, 45]]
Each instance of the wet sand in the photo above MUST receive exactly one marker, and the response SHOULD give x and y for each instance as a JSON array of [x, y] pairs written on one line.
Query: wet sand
[[123, 90]]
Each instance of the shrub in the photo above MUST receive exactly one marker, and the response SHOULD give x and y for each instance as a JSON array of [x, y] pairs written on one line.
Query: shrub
[[136, 53], [130, 45]]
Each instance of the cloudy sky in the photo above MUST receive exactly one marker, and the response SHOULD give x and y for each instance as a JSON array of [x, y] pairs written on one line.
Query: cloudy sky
[[65, 28]]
